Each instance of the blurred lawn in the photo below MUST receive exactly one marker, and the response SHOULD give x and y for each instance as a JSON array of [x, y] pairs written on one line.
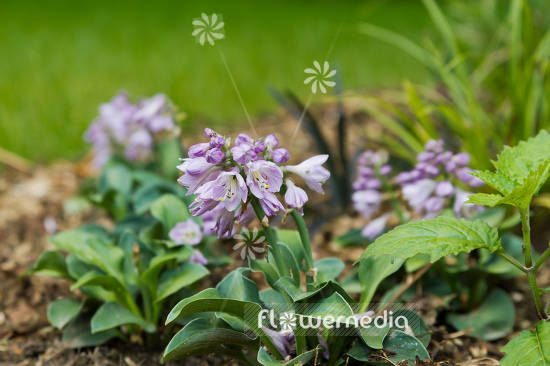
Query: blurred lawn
[[61, 58]]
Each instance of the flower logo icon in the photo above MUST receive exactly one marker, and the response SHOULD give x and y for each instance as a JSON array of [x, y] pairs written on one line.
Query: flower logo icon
[[250, 243], [320, 77], [287, 321], [208, 29]]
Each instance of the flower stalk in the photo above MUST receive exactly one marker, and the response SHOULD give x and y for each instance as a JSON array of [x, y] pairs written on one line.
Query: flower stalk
[[270, 236]]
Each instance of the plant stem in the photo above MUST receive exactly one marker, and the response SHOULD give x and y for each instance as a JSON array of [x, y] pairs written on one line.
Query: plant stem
[[284, 271], [542, 258], [531, 279], [535, 294], [512, 260], [393, 200], [526, 236], [306, 243]]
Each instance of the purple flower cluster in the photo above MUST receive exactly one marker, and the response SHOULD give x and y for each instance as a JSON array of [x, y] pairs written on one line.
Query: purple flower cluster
[[428, 188], [128, 128], [224, 178], [436, 178]]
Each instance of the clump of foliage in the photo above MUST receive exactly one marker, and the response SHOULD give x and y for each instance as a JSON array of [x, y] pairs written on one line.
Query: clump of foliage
[[155, 253], [300, 286], [520, 173]]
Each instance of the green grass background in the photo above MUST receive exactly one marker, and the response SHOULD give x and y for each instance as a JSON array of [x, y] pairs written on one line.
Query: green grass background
[[60, 59]]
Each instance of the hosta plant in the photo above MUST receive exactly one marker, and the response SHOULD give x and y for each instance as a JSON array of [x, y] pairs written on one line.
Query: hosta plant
[[127, 279], [520, 173], [317, 319]]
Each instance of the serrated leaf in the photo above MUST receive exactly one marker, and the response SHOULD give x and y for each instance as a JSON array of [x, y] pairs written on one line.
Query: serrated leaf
[[500, 182], [521, 195], [529, 348], [518, 162], [437, 238], [520, 173]]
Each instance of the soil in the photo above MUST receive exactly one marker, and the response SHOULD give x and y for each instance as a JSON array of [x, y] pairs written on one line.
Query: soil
[[33, 200]]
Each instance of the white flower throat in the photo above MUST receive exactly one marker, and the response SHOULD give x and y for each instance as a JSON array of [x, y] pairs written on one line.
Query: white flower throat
[[231, 188], [262, 181]]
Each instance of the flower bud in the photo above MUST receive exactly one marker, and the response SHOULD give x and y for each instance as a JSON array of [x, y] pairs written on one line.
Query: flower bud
[[215, 156], [280, 156]]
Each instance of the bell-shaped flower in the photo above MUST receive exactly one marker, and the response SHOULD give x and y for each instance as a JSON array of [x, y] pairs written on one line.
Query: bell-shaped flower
[[225, 224], [230, 189], [270, 204], [197, 172], [312, 172], [295, 197], [264, 177]]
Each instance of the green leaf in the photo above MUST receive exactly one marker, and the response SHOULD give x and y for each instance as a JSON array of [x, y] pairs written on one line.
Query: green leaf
[[519, 161], [50, 263], [117, 177], [529, 348], [265, 359], [371, 274], [151, 275], [237, 286], [210, 300], [201, 337], [401, 347], [78, 333], [169, 209], [494, 319], [417, 325], [328, 268], [61, 312], [437, 238], [292, 239], [406, 348], [521, 195], [111, 315], [177, 278], [93, 249], [268, 269]]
